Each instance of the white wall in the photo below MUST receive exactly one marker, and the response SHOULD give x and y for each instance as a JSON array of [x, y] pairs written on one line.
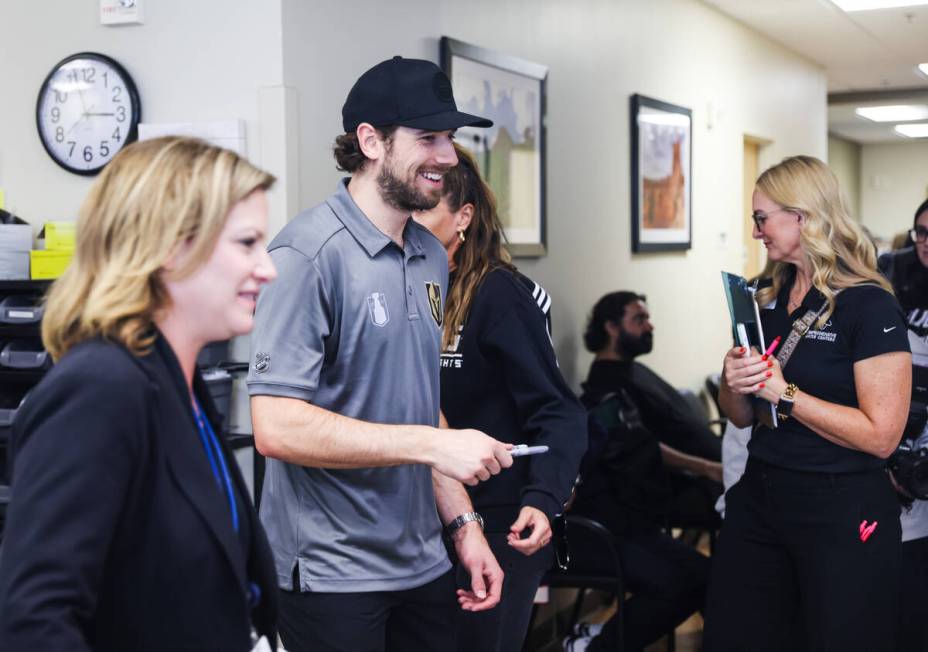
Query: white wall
[[599, 52], [893, 181], [285, 67], [844, 159], [192, 61]]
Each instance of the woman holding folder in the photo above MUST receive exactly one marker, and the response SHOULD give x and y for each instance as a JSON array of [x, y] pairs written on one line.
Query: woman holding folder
[[809, 553], [499, 374]]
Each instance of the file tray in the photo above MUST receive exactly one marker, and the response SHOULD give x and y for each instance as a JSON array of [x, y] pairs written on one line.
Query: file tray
[[21, 309], [24, 354]]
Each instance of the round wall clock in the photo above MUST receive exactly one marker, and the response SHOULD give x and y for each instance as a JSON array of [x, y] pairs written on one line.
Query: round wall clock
[[88, 109]]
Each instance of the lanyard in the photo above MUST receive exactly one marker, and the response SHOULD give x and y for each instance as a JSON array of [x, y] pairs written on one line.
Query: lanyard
[[213, 453]]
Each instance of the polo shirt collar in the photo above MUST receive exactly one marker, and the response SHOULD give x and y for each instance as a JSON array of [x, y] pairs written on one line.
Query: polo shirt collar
[[372, 239]]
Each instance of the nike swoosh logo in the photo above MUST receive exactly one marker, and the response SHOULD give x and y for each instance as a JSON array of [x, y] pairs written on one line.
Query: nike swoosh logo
[[891, 328]]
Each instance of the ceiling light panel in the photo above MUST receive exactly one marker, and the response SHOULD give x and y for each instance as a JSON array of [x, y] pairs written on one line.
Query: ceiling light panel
[[919, 130], [893, 112], [869, 5]]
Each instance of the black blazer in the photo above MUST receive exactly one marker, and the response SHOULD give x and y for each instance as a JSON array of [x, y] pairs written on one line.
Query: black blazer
[[117, 536]]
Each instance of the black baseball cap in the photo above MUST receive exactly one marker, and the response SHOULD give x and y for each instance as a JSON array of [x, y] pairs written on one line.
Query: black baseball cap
[[406, 92]]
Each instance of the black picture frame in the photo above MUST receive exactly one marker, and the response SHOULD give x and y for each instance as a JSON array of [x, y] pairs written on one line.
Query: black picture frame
[[661, 197], [513, 164]]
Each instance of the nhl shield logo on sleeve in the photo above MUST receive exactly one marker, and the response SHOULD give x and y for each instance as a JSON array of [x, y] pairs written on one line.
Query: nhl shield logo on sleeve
[[377, 306], [435, 307]]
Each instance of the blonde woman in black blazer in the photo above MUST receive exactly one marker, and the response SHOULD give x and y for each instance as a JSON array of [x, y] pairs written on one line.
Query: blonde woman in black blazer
[[130, 527]]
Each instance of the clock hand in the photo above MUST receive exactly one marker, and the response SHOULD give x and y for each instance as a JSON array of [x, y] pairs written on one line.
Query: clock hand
[[98, 114]]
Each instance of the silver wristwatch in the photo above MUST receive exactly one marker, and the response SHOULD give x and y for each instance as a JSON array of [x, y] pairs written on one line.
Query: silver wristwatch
[[463, 519]]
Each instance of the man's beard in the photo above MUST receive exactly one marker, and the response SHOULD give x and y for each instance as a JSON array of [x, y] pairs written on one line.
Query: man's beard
[[403, 195], [633, 346]]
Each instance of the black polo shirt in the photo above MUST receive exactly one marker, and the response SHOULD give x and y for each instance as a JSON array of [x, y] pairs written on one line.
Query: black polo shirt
[[867, 322]]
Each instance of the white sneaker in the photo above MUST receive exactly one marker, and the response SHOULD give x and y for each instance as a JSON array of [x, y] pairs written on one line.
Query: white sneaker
[[577, 643], [591, 630]]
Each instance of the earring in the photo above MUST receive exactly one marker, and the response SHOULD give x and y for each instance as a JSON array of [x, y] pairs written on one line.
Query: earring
[[461, 235]]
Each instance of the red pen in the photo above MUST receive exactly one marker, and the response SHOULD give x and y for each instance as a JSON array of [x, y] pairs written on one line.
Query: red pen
[[773, 345]]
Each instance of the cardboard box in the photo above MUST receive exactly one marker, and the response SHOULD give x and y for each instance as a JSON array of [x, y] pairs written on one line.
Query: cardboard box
[[45, 264], [60, 235]]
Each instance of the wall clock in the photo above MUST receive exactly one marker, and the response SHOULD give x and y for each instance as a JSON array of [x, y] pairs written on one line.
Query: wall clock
[[88, 109]]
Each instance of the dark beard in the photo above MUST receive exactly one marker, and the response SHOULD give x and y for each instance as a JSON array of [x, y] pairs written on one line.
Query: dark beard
[[402, 195], [633, 346]]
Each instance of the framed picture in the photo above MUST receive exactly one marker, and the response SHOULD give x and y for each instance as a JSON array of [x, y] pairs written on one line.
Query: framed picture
[[511, 154], [662, 162]]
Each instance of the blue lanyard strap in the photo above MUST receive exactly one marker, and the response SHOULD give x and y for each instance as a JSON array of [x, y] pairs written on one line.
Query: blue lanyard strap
[[214, 453]]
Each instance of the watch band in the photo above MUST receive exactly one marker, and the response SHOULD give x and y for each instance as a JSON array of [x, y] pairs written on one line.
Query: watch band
[[462, 520], [785, 404]]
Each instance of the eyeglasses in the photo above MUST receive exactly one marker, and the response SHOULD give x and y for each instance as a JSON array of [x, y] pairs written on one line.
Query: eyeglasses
[[919, 234], [760, 218]]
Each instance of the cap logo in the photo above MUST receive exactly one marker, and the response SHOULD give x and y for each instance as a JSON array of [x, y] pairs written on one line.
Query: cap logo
[[442, 87]]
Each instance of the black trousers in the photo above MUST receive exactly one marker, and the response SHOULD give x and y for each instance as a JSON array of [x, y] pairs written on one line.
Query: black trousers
[[503, 628], [913, 632], [415, 620], [792, 570], [667, 580]]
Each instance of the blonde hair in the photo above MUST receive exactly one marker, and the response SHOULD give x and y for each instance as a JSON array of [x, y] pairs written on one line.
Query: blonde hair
[[151, 197], [482, 251], [836, 249]]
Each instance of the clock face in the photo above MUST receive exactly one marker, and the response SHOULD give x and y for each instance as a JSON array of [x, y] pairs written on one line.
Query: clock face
[[88, 109]]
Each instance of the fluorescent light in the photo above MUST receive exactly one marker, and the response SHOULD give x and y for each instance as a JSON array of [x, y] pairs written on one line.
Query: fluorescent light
[[867, 5], [918, 130], [923, 69], [893, 112]]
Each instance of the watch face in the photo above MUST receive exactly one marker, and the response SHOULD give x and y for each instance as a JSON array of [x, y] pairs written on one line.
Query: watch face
[[88, 109]]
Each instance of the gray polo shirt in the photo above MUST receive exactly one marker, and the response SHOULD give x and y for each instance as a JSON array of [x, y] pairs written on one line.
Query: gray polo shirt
[[352, 324]]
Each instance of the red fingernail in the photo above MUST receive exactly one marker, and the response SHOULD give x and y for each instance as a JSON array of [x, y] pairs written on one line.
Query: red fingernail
[[763, 357], [761, 385], [741, 349], [770, 363], [769, 373]]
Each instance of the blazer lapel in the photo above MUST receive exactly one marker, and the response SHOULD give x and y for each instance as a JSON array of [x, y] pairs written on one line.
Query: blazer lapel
[[186, 457]]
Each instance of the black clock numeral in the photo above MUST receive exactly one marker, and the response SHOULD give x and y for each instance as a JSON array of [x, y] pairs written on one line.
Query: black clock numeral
[[104, 148], [59, 135], [56, 114], [60, 97], [117, 136], [106, 80], [89, 74], [72, 143], [120, 114], [117, 91], [73, 76], [88, 154]]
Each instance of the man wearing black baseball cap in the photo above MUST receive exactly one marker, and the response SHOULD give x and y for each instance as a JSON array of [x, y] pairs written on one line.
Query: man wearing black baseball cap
[[344, 383]]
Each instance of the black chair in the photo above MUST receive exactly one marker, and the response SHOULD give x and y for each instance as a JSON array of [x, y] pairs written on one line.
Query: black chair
[[589, 543], [4, 501]]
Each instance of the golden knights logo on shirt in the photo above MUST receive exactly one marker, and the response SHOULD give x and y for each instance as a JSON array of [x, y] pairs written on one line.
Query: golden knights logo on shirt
[[434, 292]]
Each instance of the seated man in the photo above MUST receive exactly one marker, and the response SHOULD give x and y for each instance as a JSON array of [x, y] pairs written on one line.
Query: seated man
[[619, 330], [625, 487]]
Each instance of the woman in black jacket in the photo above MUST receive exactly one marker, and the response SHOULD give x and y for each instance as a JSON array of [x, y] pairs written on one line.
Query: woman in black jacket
[[130, 527], [500, 375]]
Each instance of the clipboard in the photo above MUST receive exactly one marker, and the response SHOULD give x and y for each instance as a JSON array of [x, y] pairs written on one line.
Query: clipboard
[[746, 327]]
